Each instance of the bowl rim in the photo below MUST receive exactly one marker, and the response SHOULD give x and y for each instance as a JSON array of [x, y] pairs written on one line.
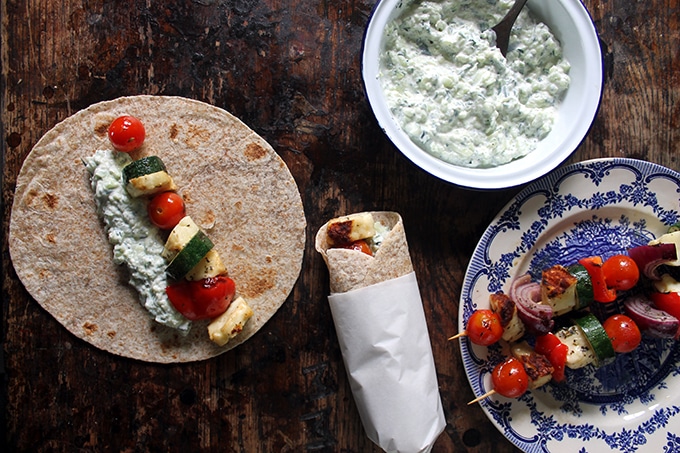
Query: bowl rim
[[517, 172]]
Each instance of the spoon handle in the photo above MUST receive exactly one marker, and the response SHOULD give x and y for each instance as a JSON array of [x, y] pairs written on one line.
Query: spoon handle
[[503, 27]]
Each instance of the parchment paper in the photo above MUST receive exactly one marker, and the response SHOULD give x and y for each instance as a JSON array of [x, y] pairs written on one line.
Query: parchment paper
[[387, 353]]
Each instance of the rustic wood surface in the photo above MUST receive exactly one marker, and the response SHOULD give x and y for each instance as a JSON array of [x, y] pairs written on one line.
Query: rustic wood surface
[[291, 71]]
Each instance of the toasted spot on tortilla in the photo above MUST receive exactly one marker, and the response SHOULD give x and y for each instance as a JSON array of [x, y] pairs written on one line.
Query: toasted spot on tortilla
[[174, 130], [170, 343], [255, 285], [50, 200], [196, 136], [254, 151], [186, 196], [51, 238], [111, 333], [101, 129], [90, 328], [44, 273], [30, 196], [238, 205]]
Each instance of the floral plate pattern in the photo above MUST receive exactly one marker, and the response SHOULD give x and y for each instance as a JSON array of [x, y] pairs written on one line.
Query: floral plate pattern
[[597, 207]]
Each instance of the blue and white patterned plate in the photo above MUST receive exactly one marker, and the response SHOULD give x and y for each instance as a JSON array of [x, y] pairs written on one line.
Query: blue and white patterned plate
[[598, 207]]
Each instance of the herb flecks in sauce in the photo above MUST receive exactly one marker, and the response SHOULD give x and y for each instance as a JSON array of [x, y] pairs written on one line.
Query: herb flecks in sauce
[[136, 241], [453, 92]]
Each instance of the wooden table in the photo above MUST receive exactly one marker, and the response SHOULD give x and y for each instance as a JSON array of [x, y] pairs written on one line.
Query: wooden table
[[291, 71]]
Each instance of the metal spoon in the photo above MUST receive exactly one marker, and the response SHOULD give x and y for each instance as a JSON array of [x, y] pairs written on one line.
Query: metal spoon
[[504, 27]]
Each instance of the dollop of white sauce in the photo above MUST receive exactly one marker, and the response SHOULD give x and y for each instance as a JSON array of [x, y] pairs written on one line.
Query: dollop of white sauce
[[136, 241], [456, 96]]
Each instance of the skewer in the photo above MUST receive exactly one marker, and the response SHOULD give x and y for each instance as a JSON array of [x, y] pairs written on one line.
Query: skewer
[[479, 398], [462, 334]]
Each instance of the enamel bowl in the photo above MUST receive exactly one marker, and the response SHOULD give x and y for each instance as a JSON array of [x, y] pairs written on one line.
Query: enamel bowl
[[570, 22]]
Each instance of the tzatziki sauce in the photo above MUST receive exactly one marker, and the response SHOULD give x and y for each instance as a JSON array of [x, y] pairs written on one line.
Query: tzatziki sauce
[[453, 92], [136, 241]]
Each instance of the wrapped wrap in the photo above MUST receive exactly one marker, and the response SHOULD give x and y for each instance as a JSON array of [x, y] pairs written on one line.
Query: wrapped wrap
[[382, 331]]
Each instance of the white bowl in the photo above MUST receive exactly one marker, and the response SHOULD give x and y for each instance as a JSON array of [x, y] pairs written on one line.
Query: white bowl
[[570, 22]]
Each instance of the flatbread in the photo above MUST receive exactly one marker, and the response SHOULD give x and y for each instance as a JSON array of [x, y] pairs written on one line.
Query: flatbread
[[236, 188], [352, 269]]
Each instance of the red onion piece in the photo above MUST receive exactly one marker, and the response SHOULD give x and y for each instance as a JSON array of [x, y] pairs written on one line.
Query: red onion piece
[[651, 321], [649, 257], [527, 294]]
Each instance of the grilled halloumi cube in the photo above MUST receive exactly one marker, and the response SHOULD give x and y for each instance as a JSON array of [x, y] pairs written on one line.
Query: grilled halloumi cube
[[558, 289], [347, 229], [580, 352], [150, 184], [180, 235], [505, 308], [667, 284], [211, 265], [538, 367], [230, 323]]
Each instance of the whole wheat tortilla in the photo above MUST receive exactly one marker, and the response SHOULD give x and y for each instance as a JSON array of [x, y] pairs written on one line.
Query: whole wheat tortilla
[[235, 186], [352, 269]]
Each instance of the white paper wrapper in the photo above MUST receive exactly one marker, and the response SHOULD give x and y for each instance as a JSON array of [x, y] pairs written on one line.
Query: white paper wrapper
[[387, 353]]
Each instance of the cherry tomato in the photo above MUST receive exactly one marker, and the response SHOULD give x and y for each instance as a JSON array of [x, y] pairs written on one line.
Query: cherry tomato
[[166, 210], [509, 378], [623, 332], [558, 359], [484, 327], [180, 298], [620, 272], [601, 292], [213, 295], [668, 302], [202, 299], [126, 133], [361, 246], [556, 352]]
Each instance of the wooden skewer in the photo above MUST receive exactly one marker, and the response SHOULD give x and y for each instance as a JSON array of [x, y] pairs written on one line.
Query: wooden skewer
[[462, 334], [479, 398]]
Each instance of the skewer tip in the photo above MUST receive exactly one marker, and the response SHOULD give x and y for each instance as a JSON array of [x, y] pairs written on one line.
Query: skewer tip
[[458, 335], [480, 398]]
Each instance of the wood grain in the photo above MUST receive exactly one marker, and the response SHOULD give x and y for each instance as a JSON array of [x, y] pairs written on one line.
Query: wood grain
[[291, 71]]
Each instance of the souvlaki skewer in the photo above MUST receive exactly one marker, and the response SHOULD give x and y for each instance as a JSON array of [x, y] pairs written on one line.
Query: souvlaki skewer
[[531, 307], [194, 283]]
